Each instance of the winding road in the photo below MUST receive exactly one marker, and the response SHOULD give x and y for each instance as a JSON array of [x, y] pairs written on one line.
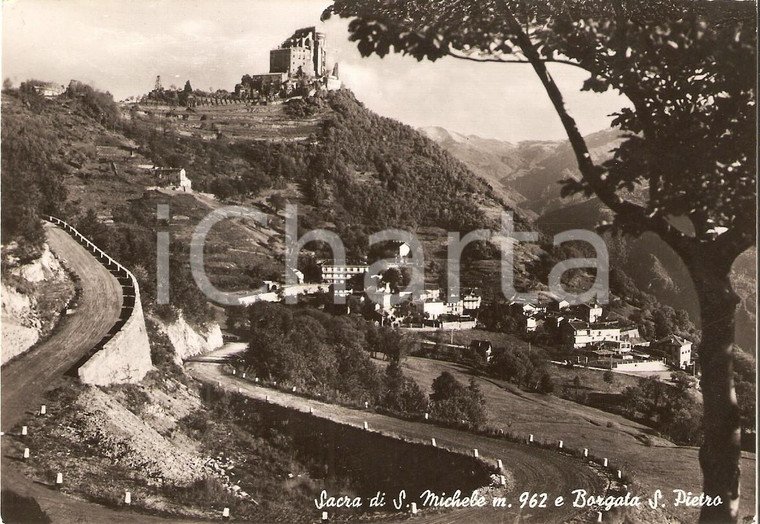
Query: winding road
[[532, 469], [25, 379]]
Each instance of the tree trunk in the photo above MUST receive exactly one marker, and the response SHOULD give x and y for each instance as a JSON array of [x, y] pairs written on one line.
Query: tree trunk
[[721, 450]]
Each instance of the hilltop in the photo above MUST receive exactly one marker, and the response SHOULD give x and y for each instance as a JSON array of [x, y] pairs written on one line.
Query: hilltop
[[348, 170]]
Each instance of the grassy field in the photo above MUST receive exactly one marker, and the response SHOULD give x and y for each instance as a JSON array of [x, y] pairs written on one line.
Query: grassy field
[[654, 462], [591, 380]]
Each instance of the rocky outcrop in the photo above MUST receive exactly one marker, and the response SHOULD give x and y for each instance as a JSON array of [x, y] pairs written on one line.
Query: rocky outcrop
[[21, 326], [46, 267], [188, 341], [33, 297]]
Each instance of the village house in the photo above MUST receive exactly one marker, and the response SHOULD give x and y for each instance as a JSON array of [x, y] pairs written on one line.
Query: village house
[[577, 334], [526, 309], [676, 350], [174, 178], [429, 295], [471, 302], [631, 334], [558, 305], [402, 251], [341, 273], [590, 312], [433, 310]]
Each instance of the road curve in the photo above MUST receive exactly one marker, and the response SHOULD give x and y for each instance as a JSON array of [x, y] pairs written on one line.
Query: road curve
[[533, 469], [25, 380], [28, 377]]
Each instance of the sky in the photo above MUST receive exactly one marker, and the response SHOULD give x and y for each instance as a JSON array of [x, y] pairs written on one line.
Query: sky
[[121, 46]]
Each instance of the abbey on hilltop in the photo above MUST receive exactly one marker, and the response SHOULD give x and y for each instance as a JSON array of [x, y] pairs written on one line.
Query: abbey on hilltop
[[297, 67]]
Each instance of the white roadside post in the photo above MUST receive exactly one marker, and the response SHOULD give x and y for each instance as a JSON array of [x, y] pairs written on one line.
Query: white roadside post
[[127, 498]]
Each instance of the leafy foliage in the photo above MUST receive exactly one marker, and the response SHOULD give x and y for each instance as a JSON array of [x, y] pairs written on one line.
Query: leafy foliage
[[32, 177], [402, 394], [96, 104], [454, 402], [131, 241], [329, 356], [687, 67], [670, 409], [522, 367], [746, 390], [360, 176]]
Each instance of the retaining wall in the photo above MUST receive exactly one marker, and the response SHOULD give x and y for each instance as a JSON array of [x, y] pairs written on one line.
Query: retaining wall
[[123, 354]]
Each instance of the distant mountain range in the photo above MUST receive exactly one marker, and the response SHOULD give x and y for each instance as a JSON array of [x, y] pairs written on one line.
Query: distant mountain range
[[527, 174]]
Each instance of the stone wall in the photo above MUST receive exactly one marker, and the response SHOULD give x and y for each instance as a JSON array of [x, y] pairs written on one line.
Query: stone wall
[[123, 355]]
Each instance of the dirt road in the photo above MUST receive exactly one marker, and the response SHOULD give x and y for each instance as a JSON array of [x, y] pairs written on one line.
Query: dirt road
[[25, 379], [533, 469]]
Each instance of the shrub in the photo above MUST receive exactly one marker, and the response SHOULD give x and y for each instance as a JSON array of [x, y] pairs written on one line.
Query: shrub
[[133, 397], [546, 384], [453, 402], [206, 492], [323, 354], [402, 393]]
